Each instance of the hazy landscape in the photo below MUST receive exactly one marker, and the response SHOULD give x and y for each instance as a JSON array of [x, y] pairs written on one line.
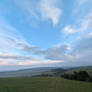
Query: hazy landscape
[[45, 45], [44, 79]]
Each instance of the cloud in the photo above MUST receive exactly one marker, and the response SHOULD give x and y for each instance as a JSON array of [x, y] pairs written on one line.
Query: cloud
[[11, 59], [40, 10], [5, 30], [82, 46], [49, 11], [5, 56], [83, 51], [68, 30], [40, 62], [10, 39], [87, 22], [29, 48], [81, 54], [84, 27], [13, 47], [56, 52]]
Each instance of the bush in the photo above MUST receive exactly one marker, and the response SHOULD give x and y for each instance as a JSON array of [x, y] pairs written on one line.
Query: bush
[[81, 75]]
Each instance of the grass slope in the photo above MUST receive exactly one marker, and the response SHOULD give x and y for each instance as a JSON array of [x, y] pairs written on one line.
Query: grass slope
[[43, 85], [88, 69]]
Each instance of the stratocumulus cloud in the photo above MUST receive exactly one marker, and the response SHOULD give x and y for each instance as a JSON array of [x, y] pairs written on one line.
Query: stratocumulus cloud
[[45, 32]]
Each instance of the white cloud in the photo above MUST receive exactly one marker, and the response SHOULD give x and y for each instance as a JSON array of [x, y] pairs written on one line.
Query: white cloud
[[12, 44], [87, 22], [40, 62], [13, 59], [40, 10], [49, 11], [68, 30], [10, 38], [85, 27]]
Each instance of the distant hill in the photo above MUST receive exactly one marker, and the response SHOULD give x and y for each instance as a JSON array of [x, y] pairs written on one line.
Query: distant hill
[[53, 71], [29, 72], [82, 68]]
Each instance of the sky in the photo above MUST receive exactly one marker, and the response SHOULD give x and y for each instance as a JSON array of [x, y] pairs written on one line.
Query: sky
[[45, 33]]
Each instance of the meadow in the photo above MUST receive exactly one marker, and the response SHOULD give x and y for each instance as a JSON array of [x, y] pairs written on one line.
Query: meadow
[[43, 84]]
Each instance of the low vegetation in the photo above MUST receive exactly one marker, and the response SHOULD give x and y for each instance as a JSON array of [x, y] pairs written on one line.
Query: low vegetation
[[79, 75], [41, 84]]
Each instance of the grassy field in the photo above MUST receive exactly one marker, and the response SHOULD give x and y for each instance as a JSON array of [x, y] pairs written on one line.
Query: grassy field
[[43, 85], [87, 69]]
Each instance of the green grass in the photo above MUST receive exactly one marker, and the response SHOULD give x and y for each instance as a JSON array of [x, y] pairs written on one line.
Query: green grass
[[43, 85], [87, 69]]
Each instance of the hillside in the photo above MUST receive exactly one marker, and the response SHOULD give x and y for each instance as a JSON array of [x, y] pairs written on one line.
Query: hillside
[[30, 72], [54, 71], [85, 68], [41, 84]]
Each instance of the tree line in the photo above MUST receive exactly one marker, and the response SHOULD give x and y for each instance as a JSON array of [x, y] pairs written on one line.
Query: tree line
[[80, 75]]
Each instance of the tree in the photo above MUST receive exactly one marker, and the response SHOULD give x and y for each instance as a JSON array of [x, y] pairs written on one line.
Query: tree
[[83, 76]]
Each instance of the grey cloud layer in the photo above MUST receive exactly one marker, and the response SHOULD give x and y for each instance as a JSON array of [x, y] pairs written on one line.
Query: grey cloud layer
[[14, 57], [53, 53], [82, 54]]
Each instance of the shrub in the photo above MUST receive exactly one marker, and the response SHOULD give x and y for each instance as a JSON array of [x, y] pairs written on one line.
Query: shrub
[[81, 75]]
